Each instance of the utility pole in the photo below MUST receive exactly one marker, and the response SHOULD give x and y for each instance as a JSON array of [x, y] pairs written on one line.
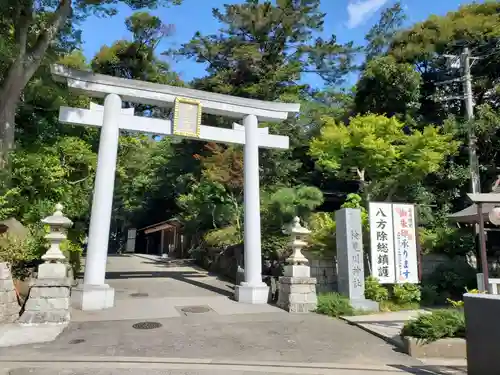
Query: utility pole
[[469, 108], [463, 63]]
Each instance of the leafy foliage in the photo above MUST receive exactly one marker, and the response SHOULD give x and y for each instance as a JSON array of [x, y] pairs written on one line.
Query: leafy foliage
[[379, 151], [388, 87], [334, 305], [437, 325], [451, 279], [375, 291], [406, 293]]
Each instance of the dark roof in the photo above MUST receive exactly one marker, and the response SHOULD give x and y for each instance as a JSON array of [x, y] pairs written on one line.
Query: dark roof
[[469, 214]]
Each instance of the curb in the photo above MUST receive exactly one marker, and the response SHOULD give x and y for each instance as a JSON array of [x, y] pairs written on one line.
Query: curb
[[390, 340]]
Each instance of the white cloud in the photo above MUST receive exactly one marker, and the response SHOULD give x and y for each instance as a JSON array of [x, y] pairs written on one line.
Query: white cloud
[[360, 10]]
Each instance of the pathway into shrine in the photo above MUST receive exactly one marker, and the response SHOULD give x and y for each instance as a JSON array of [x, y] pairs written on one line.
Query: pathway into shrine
[[196, 329], [147, 287]]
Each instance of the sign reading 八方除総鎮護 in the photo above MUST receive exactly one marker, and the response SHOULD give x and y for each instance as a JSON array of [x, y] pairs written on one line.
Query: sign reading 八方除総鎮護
[[393, 242], [382, 242]]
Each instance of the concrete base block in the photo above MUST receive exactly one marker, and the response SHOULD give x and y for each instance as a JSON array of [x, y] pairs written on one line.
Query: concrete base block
[[482, 333], [444, 348], [253, 294], [92, 297], [52, 271], [48, 302], [365, 304], [297, 294], [297, 271]]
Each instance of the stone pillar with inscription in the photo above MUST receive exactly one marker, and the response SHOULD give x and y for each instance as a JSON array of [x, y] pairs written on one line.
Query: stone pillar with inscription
[[351, 273]]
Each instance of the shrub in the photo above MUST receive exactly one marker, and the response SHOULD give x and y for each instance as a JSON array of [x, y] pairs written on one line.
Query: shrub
[[322, 239], [429, 293], [375, 291], [334, 304], [73, 252], [21, 253], [452, 278], [406, 293], [436, 325]]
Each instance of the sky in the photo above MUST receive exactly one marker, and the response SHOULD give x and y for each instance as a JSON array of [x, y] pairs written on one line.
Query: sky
[[349, 20]]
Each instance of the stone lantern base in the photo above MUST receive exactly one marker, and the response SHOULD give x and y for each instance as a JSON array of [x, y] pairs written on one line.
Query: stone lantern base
[[297, 294], [48, 302]]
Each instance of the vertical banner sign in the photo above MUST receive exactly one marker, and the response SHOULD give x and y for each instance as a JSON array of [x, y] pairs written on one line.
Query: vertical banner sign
[[382, 242], [405, 242]]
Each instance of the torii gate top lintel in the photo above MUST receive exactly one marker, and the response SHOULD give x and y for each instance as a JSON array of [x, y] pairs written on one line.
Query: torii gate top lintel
[[135, 91]]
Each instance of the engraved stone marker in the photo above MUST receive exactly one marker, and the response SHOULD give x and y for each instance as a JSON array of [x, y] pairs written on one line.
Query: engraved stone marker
[[351, 272]]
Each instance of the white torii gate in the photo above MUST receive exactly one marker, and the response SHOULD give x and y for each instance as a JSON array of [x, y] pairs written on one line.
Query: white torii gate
[[95, 294]]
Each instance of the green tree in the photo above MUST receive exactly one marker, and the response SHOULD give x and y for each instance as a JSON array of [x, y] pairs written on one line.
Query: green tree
[[388, 87], [425, 43], [381, 154], [262, 52], [30, 29], [381, 35]]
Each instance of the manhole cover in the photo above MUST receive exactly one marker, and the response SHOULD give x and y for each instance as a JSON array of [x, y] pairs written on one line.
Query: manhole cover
[[77, 341], [147, 325], [195, 309], [139, 295]]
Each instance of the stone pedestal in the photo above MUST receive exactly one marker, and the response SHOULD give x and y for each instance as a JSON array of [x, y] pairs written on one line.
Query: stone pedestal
[[297, 294], [48, 302], [253, 294], [9, 307], [92, 297]]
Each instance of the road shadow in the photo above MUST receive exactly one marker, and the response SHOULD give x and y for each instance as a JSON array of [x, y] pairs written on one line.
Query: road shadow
[[186, 277], [431, 370]]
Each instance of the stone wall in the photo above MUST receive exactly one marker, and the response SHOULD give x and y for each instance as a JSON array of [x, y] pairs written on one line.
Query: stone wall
[[325, 269], [325, 272], [9, 307]]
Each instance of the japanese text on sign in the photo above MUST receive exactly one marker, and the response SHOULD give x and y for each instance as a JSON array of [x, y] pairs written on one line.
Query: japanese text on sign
[[382, 242], [356, 260], [405, 243]]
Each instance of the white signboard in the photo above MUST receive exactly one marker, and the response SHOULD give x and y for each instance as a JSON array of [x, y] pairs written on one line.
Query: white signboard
[[382, 242], [405, 243]]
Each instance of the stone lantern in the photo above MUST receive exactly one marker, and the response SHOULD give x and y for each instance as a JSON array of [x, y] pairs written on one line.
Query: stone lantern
[[297, 262], [297, 291], [54, 266], [49, 297]]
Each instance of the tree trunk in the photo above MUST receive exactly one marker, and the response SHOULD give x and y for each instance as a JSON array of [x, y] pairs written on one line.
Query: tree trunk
[[25, 65], [10, 93]]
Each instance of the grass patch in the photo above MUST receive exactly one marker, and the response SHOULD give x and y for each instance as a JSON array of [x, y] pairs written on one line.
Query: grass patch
[[334, 305], [388, 306]]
